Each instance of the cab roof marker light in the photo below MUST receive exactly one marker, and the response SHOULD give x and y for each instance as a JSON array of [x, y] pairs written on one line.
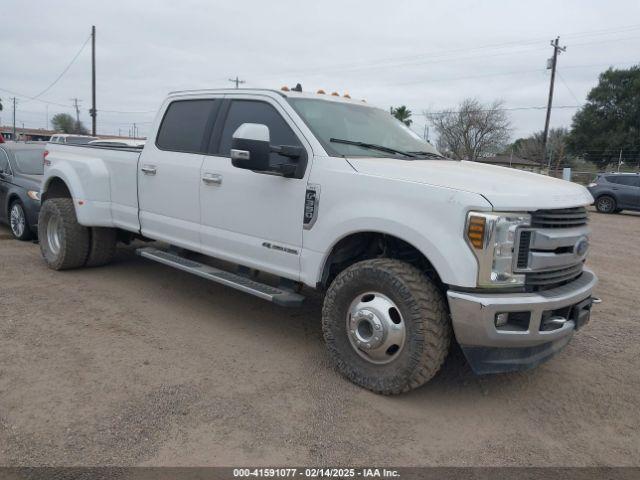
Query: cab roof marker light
[[285, 89], [320, 92], [335, 94], [346, 95]]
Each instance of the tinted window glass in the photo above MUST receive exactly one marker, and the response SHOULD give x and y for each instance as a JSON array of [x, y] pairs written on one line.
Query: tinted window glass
[[633, 181], [29, 162], [185, 125], [4, 161], [357, 123], [247, 111]]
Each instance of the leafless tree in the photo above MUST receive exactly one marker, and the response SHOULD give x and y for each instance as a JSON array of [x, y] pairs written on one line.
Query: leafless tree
[[531, 147], [473, 130]]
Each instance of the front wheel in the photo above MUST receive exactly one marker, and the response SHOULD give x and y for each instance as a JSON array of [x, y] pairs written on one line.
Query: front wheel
[[64, 243], [20, 227], [386, 325], [606, 204]]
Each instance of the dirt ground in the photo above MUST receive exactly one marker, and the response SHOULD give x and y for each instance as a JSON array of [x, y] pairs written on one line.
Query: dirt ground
[[138, 364]]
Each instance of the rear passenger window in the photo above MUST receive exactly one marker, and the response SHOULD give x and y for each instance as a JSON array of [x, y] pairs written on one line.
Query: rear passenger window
[[251, 111], [185, 124], [633, 181]]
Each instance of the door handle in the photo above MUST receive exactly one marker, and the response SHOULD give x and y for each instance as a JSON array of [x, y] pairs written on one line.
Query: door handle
[[149, 169], [212, 179]]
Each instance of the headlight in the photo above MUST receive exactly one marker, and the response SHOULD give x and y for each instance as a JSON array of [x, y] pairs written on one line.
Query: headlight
[[492, 236], [34, 195]]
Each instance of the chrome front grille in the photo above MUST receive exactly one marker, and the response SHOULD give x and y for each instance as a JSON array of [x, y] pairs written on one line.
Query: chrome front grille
[[548, 252], [560, 218], [553, 278]]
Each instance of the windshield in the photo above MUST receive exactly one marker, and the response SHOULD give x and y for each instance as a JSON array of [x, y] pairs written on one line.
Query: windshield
[[29, 162], [358, 123]]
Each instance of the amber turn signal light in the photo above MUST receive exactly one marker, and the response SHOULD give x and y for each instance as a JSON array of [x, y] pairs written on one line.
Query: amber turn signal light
[[475, 231]]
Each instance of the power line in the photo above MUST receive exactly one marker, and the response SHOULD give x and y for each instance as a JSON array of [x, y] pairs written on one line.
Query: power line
[[567, 87], [237, 81], [449, 55], [508, 109], [63, 71]]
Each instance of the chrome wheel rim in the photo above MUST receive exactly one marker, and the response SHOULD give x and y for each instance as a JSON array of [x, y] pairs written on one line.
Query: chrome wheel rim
[[53, 234], [17, 220], [375, 328], [605, 204]]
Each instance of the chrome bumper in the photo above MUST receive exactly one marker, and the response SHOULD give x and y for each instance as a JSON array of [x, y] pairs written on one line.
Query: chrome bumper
[[489, 349]]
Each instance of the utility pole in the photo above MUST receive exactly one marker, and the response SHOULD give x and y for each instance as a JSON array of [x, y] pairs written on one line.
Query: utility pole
[[46, 127], [14, 119], [620, 161], [237, 81], [77, 107], [554, 62], [93, 112]]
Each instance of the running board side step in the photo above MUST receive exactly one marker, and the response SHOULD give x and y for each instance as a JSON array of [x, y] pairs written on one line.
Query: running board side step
[[276, 295]]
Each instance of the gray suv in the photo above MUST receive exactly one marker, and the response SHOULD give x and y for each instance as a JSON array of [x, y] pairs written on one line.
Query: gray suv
[[614, 192]]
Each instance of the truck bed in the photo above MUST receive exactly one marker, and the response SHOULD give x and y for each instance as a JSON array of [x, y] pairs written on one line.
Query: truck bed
[[105, 179]]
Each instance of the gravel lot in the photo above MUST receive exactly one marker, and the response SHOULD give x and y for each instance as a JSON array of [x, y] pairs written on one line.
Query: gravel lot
[[138, 364]]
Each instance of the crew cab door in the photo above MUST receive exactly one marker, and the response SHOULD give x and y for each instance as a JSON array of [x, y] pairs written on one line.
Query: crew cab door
[[250, 218], [169, 172]]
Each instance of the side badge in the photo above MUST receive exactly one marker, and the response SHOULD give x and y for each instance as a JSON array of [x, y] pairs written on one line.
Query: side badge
[[311, 204]]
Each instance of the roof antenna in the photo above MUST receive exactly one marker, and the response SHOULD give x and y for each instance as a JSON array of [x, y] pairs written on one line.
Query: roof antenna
[[297, 88]]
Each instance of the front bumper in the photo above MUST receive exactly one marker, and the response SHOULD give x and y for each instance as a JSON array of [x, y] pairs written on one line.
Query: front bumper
[[492, 350]]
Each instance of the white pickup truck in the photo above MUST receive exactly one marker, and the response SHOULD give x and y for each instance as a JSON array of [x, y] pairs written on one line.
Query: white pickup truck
[[295, 189]]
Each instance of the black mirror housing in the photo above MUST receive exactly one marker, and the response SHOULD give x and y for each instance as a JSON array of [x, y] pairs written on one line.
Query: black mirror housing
[[251, 149], [250, 154]]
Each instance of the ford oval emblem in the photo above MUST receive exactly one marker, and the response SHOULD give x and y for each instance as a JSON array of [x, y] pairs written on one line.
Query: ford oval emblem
[[581, 247]]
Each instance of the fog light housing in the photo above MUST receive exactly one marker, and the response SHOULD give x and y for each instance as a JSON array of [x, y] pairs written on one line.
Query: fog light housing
[[501, 319]]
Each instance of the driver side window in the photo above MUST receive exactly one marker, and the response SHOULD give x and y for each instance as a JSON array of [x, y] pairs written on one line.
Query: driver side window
[[252, 111], [4, 162]]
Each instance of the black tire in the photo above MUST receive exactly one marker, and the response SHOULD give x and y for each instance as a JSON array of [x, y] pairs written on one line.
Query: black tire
[[102, 246], [20, 231], [424, 313], [73, 239], [606, 204], [617, 210]]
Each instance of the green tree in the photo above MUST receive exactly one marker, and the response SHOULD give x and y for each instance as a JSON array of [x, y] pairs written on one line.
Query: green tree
[[403, 114], [610, 120], [65, 123]]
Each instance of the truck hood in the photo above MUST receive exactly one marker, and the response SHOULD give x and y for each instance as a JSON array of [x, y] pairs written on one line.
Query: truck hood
[[505, 188]]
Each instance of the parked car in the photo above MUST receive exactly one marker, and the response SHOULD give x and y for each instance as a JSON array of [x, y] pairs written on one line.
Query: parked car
[[614, 192], [20, 178], [72, 139], [408, 247]]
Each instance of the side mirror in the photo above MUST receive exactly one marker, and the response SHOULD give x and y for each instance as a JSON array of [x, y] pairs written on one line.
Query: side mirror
[[250, 147]]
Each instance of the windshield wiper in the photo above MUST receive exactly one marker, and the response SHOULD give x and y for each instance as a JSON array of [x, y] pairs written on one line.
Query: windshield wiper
[[372, 146], [428, 154]]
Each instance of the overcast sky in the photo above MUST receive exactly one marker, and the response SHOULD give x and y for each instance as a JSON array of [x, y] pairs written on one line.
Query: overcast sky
[[427, 55]]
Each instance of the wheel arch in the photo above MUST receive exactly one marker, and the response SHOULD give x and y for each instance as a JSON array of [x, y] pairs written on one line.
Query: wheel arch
[[55, 187], [12, 197], [367, 244]]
